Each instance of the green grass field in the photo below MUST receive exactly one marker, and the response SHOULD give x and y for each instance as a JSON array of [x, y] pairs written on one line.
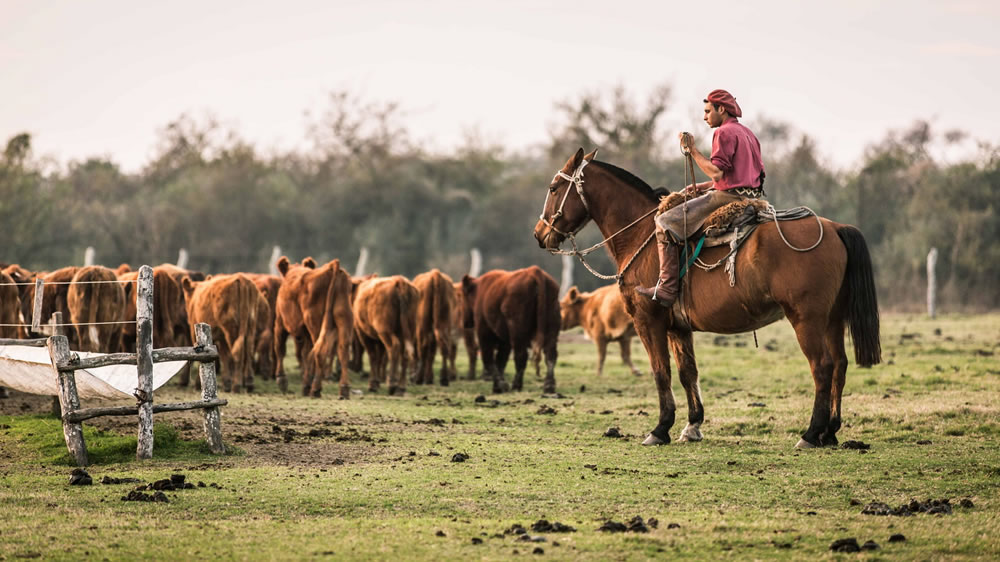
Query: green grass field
[[373, 479]]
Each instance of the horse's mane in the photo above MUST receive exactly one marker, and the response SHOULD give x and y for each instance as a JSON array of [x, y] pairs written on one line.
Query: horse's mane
[[633, 181]]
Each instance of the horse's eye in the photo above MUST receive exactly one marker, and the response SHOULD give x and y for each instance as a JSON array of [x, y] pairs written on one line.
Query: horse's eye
[[553, 188]]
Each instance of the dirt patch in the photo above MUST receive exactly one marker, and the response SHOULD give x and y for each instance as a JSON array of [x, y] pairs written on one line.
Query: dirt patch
[[930, 507]]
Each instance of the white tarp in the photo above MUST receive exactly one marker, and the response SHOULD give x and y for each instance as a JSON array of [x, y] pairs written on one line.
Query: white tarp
[[29, 369]]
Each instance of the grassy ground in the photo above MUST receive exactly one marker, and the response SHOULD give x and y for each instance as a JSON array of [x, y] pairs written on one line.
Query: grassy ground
[[373, 477]]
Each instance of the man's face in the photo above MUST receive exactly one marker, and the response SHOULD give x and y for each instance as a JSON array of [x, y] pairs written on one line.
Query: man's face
[[714, 117]]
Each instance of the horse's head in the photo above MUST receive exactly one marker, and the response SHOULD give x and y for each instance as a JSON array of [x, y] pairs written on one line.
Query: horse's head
[[565, 211]]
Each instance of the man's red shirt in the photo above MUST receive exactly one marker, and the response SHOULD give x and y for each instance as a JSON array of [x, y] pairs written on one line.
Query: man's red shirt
[[736, 151]]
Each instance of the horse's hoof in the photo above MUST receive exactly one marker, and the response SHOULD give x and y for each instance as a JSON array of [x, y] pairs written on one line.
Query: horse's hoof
[[345, 393], [653, 440], [690, 433], [803, 444]]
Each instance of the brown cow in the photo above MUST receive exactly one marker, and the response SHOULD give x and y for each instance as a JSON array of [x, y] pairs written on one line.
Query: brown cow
[[314, 306], [168, 305], [385, 311], [10, 307], [14, 286], [510, 309], [229, 304], [10, 312], [468, 333], [182, 328], [434, 324], [96, 303], [264, 356], [603, 317], [53, 296]]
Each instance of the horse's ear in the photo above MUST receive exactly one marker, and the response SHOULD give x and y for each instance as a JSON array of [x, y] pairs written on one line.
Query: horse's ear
[[577, 158], [591, 156]]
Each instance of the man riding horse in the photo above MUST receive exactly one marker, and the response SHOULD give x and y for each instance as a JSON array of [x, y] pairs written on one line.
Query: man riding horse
[[737, 172]]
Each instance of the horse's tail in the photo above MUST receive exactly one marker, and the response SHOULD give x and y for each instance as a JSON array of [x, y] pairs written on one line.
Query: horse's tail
[[862, 302]]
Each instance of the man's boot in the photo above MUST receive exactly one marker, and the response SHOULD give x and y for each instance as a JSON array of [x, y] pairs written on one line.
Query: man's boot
[[665, 291]]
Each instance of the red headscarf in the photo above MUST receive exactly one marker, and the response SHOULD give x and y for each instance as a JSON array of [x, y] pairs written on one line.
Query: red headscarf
[[726, 100]]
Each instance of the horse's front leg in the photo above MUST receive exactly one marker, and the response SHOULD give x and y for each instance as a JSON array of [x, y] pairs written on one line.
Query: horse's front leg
[[682, 346], [654, 338]]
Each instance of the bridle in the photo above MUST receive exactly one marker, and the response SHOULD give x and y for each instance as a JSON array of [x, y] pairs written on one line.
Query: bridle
[[576, 180]]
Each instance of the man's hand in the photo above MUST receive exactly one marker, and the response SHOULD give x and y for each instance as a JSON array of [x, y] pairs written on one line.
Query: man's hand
[[687, 142]]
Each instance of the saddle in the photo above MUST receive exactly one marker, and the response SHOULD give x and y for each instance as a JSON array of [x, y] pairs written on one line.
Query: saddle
[[721, 226]]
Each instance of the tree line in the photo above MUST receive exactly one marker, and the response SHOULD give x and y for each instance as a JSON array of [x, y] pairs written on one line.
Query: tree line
[[363, 182]]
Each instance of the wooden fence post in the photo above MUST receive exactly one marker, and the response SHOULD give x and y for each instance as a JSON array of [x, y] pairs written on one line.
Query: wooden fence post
[[36, 306], [932, 282], [209, 391], [57, 330], [567, 275], [475, 262], [144, 361], [182, 258], [272, 264], [68, 398]]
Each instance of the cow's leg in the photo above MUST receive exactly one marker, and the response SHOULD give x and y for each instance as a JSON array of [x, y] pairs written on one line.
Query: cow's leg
[[397, 365], [521, 353], [224, 363], [345, 340], [306, 361], [280, 348], [625, 343], [602, 352], [446, 345], [488, 350], [682, 346], [181, 338], [374, 362], [503, 355], [811, 334], [653, 334], [426, 364], [551, 353], [472, 350], [536, 359]]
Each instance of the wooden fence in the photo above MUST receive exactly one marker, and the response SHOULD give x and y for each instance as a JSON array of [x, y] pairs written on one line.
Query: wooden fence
[[65, 363]]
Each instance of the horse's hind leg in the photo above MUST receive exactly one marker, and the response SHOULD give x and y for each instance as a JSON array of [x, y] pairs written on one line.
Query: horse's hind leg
[[838, 355], [682, 346], [812, 340]]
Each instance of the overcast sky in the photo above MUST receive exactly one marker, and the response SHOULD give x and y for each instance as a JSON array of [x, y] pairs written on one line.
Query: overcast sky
[[100, 78]]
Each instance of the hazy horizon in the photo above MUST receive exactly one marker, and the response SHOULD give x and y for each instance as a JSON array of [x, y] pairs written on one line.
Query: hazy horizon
[[101, 79]]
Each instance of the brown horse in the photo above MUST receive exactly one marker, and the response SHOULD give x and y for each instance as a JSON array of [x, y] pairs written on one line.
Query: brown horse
[[819, 291]]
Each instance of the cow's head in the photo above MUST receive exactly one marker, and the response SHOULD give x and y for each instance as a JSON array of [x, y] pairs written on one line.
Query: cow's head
[[570, 308], [470, 286]]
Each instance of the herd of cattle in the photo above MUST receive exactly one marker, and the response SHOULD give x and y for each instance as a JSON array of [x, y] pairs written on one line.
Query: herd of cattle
[[333, 318]]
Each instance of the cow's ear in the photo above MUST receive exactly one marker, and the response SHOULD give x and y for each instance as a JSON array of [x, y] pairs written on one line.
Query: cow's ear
[[283, 265], [309, 262], [188, 285], [123, 268], [573, 294]]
